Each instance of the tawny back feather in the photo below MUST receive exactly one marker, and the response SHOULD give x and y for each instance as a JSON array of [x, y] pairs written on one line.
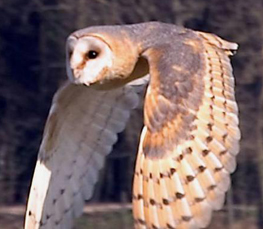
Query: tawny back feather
[[178, 183]]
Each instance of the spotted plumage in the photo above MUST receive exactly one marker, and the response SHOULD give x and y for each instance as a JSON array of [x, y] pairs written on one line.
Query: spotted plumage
[[190, 137]]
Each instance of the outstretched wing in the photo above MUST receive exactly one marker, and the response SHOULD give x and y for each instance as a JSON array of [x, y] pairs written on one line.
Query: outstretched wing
[[191, 135], [80, 131]]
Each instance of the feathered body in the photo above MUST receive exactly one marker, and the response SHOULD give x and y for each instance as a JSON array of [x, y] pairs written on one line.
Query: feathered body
[[190, 136]]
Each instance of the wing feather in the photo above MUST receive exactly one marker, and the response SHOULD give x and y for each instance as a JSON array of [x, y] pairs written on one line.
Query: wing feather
[[191, 134], [81, 129]]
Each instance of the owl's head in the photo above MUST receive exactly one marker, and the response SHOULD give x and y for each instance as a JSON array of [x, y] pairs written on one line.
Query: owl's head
[[99, 57]]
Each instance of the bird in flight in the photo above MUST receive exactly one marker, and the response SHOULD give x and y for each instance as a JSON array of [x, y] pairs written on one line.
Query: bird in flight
[[190, 136]]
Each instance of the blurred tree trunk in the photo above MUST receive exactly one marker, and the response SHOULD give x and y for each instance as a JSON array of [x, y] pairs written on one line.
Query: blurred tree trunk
[[259, 129]]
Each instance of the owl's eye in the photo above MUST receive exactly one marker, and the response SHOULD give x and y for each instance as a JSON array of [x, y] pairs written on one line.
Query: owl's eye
[[92, 54]]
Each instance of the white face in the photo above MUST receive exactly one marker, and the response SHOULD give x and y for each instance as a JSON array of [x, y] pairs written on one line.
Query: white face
[[87, 58]]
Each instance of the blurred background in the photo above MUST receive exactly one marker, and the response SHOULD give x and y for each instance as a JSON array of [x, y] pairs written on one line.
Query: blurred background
[[32, 43]]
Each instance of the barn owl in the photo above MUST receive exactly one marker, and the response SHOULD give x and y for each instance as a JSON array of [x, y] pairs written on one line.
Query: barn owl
[[190, 136]]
